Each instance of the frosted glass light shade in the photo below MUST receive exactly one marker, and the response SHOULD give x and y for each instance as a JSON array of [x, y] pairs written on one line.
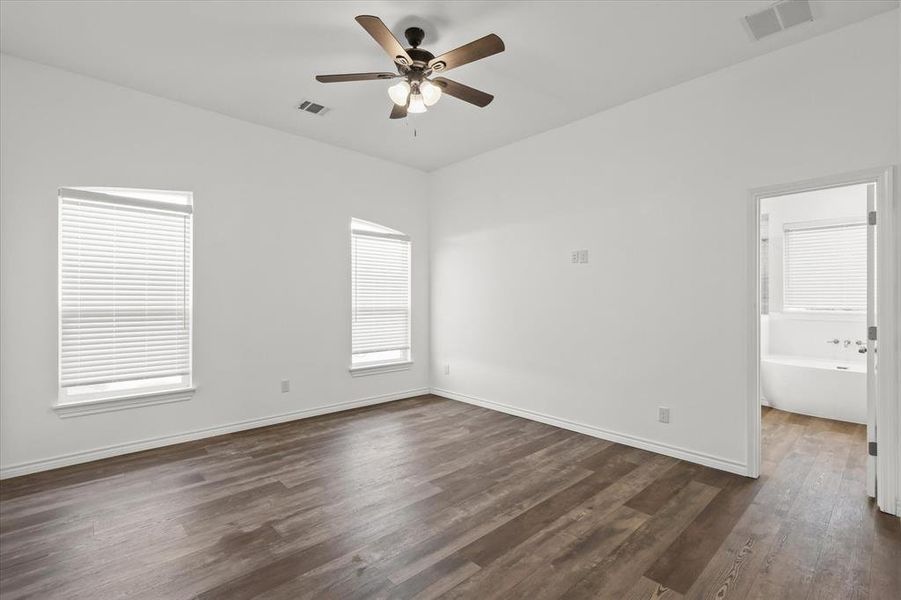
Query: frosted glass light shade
[[399, 93], [417, 105], [431, 93]]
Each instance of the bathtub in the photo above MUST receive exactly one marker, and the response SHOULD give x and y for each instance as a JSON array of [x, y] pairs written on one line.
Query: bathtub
[[815, 386]]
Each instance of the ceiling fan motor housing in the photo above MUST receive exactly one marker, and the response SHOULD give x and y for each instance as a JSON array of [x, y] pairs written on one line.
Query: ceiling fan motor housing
[[420, 56], [414, 36]]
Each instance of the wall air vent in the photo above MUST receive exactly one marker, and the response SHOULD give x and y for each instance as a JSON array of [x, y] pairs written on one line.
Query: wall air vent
[[778, 17], [312, 107]]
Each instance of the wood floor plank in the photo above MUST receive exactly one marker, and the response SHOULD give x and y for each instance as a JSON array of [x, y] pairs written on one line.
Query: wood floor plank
[[655, 496], [682, 562], [408, 550], [618, 572], [601, 516], [427, 498], [843, 566], [575, 559], [732, 570], [436, 579], [647, 589], [490, 546], [885, 574]]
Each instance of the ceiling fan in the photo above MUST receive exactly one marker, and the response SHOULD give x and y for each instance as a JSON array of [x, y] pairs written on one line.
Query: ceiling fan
[[416, 90]]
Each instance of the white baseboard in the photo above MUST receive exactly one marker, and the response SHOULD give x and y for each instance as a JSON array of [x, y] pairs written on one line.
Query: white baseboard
[[700, 458], [75, 458]]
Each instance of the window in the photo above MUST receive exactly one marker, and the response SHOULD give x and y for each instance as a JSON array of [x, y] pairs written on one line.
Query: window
[[825, 267], [124, 293], [380, 297]]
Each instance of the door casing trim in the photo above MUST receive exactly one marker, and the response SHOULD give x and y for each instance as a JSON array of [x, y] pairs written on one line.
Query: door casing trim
[[888, 294]]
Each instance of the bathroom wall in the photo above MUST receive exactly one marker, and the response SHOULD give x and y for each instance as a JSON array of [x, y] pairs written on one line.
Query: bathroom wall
[[805, 334]]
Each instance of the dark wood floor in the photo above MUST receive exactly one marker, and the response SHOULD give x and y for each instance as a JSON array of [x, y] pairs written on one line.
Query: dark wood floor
[[433, 498]]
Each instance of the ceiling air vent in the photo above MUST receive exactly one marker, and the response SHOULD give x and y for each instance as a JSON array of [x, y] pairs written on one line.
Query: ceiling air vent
[[312, 107], [778, 17]]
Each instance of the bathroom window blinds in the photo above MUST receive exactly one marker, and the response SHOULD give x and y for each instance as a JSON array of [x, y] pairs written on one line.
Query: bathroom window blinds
[[380, 295], [825, 267], [124, 292]]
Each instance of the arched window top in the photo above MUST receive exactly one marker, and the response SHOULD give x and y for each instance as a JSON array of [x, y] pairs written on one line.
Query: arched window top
[[359, 226]]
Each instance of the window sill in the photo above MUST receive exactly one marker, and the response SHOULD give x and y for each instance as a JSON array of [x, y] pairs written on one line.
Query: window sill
[[90, 407], [380, 368], [810, 315]]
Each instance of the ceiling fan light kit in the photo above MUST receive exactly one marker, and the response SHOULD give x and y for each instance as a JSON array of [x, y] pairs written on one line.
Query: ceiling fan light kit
[[431, 93], [416, 105], [399, 93], [416, 90]]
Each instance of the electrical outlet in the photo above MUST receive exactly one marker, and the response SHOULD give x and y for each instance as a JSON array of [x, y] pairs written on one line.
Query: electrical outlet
[[575, 256], [447, 369], [663, 414], [286, 385], [583, 256]]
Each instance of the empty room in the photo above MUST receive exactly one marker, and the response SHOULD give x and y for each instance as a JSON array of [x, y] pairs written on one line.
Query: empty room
[[473, 300]]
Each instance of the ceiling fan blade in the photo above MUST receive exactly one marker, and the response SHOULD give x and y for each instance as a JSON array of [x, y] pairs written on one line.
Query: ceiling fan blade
[[380, 33], [354, 77], [481, 48], [463, 92], [398, 112]]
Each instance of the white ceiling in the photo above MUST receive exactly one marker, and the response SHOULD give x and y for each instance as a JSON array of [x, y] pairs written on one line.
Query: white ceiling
[[256, 60]]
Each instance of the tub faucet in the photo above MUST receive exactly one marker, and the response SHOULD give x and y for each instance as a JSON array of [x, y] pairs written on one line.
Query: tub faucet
[[833, 341], [846, 343]]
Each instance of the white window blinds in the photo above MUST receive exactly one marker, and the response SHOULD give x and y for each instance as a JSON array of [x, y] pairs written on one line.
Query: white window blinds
[[380, 294], [125, 291], [825, 267]]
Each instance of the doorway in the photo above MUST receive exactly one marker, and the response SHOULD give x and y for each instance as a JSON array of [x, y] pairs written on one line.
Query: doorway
[[823, 278]]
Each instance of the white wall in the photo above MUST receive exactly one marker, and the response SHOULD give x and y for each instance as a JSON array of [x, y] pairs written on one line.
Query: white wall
[[272, 214], [657, 190]]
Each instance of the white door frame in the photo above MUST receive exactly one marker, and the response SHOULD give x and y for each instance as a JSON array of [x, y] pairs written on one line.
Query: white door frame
[[888, 399]]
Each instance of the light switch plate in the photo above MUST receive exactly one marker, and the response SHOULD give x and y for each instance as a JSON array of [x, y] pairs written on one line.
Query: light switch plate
[[286, 385]]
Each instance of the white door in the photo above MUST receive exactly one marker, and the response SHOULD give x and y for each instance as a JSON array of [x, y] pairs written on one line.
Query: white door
[[871, 343]]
